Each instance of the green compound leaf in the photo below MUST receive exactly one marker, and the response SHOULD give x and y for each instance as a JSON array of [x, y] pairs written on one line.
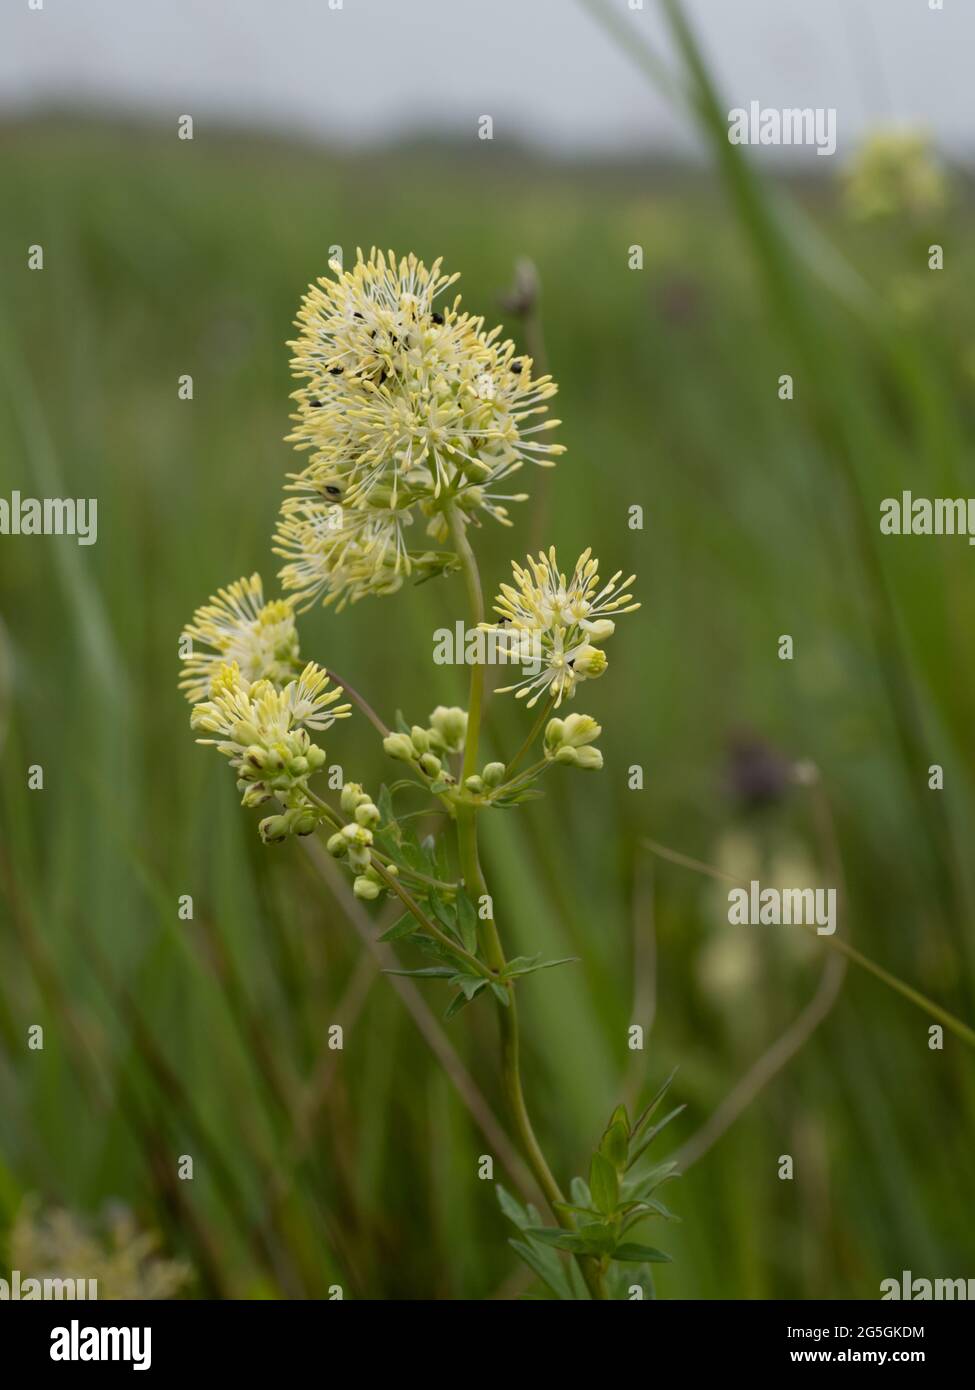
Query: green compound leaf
[[527, 965], [516, 799], [539, 1257], [467, 922], [604, 1184], [562, 1240], [647, 1183], [384, 805], [406, 926], [469, 984], [580, 1194], [630, 1253], [426, 972], [654, 1101], [615, 1144], [546, 1264], [636, 1150]]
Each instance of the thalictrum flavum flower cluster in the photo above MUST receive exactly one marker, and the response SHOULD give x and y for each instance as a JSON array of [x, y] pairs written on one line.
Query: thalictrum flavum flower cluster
[[413, 418]]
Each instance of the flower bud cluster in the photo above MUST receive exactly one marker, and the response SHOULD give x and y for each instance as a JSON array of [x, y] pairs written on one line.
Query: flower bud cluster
[[570, 741]]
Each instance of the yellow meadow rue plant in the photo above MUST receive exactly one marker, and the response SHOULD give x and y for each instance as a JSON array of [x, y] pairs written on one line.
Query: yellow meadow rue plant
[[896, 173], [112, 1254], [412, 415]]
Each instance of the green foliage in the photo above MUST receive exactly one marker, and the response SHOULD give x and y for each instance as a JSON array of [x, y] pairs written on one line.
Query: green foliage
[[605, 1212], [748, 531]]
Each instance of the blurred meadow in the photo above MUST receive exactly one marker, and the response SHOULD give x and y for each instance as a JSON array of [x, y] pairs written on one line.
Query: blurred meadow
[[209, 1037]]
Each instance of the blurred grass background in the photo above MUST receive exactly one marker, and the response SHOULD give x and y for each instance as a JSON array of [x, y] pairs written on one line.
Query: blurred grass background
[[210, 1037]]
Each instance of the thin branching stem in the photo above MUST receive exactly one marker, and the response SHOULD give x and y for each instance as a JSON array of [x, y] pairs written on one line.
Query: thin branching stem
[[490, 937], [533, 733]]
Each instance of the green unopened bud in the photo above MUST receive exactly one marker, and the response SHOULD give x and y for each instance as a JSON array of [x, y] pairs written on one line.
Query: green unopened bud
[[399, 746], [366, 888], [588, 758], [255, 795], [352, 794], [451, 724], [245, 733], [431, 764], [298, 766], [366, 813], [493, 774], [337, 845], [590, 661], [357, 834], [304, 821], [474, 784], [273, 829], [316, 757], [420, 739], [554, 734], [579, 729]]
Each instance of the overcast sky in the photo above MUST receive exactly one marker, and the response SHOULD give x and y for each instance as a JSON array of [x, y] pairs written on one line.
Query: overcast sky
[[543, 69]]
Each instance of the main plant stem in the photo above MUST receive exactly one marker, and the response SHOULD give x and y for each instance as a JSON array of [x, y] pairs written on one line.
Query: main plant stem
[[470, 867]]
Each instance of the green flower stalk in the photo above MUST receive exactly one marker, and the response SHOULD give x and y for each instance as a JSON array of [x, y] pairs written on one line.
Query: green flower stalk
[[412, 415]]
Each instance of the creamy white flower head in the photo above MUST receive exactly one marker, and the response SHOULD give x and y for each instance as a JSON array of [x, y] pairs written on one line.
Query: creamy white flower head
[[406, 408], [543, 599], [339, 553], [342, 555], [896, 173], [238, 626], [565, 618], [112, 1250], [311, 703], [263, 732], [244, 713]]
